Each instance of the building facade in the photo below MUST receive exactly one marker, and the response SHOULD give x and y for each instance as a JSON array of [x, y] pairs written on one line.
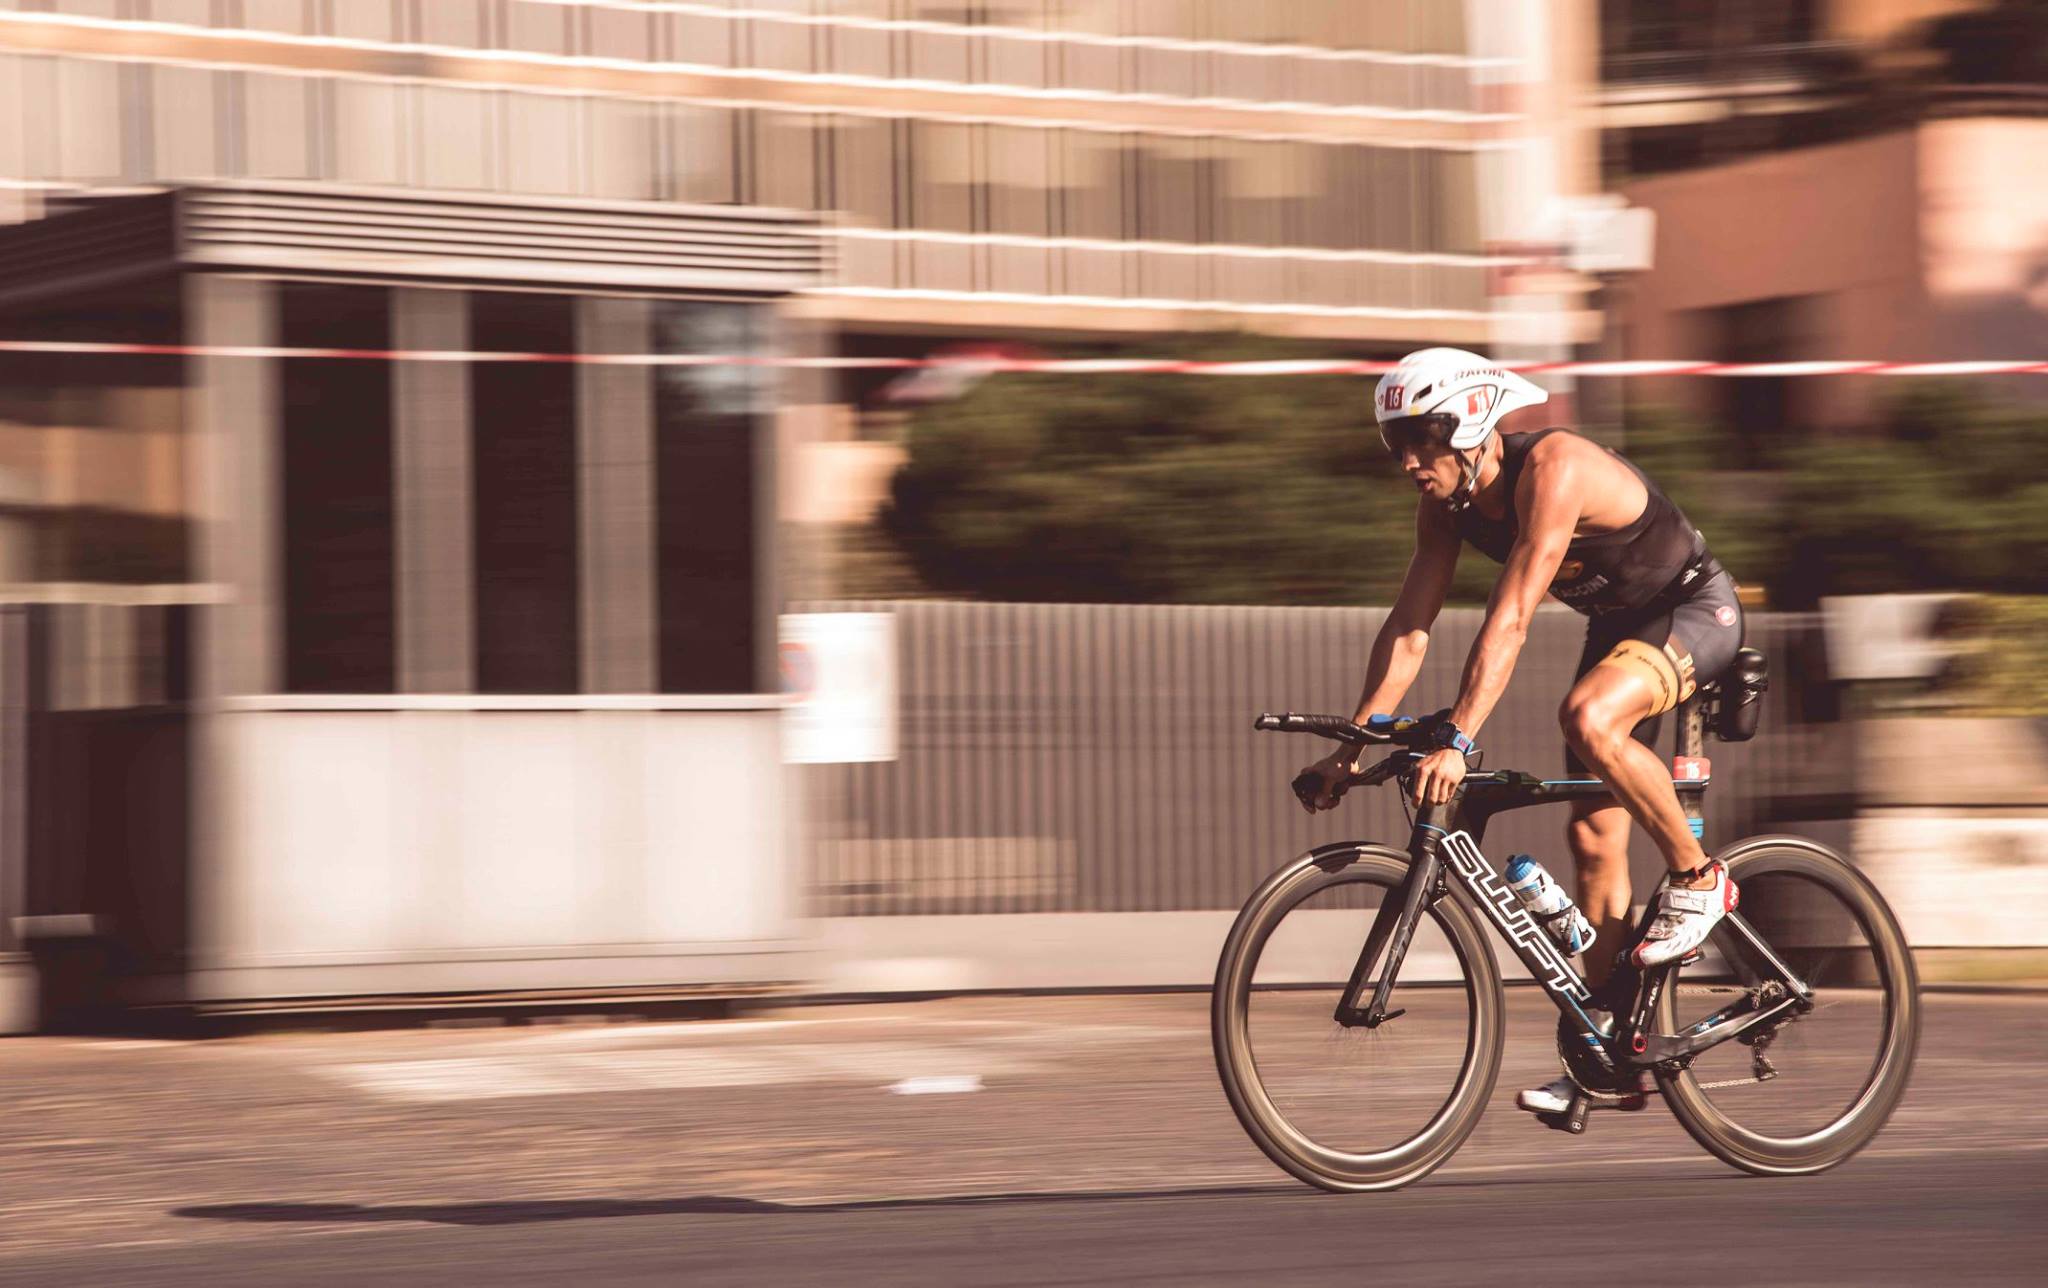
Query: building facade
[[1318, 165], [1376, 174], [1845, 180]]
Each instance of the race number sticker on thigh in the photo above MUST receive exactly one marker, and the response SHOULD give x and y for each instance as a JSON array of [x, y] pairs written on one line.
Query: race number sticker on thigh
[[1668, 671]]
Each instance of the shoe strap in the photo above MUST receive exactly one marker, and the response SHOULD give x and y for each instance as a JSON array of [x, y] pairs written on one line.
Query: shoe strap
[[1680, 900]]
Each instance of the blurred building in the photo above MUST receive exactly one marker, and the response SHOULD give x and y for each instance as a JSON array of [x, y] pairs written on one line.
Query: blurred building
[[1831, 179], [1375, 173], [485, 661]]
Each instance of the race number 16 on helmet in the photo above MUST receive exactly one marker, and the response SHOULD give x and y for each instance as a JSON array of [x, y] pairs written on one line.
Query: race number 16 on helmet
[[1448, 398]]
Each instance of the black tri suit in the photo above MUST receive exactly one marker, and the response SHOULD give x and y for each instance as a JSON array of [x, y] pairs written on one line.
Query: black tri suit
[[1653, 581]]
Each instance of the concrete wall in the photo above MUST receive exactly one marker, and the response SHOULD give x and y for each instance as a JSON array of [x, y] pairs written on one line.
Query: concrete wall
[[462, 845], [1954, 829]]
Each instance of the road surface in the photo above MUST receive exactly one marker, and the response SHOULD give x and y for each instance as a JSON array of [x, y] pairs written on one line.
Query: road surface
[[987, 1141]]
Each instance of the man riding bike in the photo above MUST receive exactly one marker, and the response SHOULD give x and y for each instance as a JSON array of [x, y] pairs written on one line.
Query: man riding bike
[[1567, 517]]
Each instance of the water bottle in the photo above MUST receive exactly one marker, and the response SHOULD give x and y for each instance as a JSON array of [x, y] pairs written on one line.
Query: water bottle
[[1547, 902]]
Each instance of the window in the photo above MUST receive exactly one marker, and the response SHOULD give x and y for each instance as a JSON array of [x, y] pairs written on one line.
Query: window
[[942, 176], [864, 170], [455, 137], [621, 145], [277, 141], [368, 124], [1020, 179], [523, 458], [705, 423], [96, 439], [703, 154], [1092, 184], [293, 16], [335, 502], [785, 159], [1172, 189], [1760, 411], [450, 22], [543, 134], [1256, 184]]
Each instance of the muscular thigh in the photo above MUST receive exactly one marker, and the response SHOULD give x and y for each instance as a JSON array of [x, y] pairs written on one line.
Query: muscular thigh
[[1658, 661]]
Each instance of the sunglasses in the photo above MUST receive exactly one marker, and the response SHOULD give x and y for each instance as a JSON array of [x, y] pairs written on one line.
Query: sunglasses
[[1418, 432]]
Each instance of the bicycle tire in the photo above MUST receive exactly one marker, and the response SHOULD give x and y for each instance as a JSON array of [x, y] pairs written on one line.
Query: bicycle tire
[[1834, 1144], [1236, 1065]]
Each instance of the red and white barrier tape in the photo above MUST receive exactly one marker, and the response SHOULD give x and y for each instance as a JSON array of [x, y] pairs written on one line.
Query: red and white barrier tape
[[1062, 366]]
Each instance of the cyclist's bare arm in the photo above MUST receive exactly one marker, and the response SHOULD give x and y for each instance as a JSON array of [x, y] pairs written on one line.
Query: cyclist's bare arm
[[1549, 499], [1403, 640]]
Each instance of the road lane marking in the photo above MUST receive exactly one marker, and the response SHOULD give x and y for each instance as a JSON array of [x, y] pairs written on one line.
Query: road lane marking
[[949, 1085], [674, 1069]]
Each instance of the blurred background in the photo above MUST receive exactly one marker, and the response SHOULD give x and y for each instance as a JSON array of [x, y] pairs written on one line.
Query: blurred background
[[331, 681]]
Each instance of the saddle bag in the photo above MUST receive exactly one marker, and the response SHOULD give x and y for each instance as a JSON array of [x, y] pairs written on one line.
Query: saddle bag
[[1741, 703]]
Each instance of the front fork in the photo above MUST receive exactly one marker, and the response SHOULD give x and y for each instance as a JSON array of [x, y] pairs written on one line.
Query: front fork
[[1394, 928]]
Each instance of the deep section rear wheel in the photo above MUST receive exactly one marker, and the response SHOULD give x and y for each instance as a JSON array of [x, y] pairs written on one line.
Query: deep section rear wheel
[[1808, 1093], [1347, 1108]]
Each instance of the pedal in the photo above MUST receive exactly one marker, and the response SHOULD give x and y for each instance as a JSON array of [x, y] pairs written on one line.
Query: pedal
[[1572, 1120], [1692, 958]]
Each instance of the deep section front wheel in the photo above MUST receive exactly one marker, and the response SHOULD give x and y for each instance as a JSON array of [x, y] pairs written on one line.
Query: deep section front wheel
[[1347, 1108], [1806, 1093]]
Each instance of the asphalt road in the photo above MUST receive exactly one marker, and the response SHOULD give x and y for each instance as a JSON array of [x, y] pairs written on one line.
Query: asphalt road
[[1068, 1141]]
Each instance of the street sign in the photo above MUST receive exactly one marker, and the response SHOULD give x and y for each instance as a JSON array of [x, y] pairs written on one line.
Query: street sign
[[839, 669]]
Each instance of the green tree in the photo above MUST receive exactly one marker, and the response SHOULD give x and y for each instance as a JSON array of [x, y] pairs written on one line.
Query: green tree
[[1197, 489], [1947, 492], [1156, 488]]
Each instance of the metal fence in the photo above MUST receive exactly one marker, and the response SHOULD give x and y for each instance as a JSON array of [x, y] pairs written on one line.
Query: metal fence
[[1100, 758]]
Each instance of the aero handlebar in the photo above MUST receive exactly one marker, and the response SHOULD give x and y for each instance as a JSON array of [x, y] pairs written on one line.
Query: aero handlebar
[[1404, 731], [1411, 732]]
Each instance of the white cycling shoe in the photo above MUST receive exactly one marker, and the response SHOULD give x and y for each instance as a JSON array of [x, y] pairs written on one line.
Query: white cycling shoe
[[1685, 918], [1555, 1096]]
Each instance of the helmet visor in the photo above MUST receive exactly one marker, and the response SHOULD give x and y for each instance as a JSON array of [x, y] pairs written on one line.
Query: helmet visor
[[1418, 432]]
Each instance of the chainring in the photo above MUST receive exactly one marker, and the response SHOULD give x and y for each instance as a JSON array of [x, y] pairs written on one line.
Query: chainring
[[1583, 1066]]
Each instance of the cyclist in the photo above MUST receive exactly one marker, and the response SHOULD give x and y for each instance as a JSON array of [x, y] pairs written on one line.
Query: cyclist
[[1564, 516]]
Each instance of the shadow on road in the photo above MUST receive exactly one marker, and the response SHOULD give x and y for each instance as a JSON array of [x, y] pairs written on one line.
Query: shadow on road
[[540, 1210]]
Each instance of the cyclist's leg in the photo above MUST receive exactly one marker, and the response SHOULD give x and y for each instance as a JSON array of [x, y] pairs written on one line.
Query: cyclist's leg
[[1598, 836], [1635, 681], [1599, 828]]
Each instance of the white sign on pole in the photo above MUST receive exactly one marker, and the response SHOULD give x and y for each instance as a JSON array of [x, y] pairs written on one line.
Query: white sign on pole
[[1607, 235], [840, 671]]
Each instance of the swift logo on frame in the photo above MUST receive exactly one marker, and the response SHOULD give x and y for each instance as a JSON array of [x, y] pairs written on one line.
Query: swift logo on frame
[[1514, 920]]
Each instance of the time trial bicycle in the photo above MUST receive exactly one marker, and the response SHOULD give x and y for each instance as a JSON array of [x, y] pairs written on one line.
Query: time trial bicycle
[[1359, 1018]]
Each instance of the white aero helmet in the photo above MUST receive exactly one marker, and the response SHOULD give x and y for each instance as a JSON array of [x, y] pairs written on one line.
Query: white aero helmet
[[1472, 394]]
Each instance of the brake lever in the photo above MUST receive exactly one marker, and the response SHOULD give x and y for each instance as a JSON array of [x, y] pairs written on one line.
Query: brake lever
[[1307, 782], [1308, 786]]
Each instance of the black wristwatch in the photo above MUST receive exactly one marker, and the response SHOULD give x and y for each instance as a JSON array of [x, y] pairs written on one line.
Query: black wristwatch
[[1448, 736]]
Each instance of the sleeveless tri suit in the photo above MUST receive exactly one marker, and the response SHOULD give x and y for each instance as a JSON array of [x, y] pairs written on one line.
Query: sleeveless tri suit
[[1650, 589]]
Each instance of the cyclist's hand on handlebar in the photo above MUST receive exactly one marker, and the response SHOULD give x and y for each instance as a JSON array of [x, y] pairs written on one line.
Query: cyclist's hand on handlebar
[[1437, 776], [1331, 772]]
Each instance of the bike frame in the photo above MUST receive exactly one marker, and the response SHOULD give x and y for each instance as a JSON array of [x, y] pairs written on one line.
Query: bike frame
[[1446, 839]]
